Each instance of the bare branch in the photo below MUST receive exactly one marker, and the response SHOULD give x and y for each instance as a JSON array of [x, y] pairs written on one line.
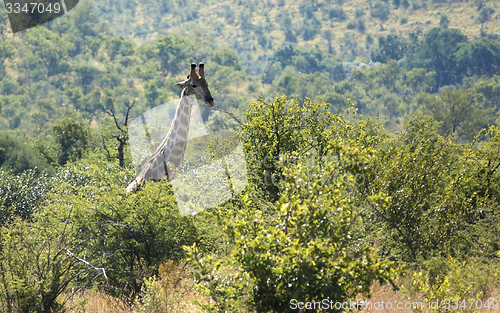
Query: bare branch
[[230, 114], [112, 114], [87, 263], [129, 107], [105, 148]]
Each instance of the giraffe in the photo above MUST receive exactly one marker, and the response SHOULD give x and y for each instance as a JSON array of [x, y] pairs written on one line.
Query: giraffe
[[169, 154]]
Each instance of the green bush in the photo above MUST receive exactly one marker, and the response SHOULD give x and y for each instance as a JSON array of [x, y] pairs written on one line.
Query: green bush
[[337, 13], [454, 284], [275, 129], [306, 250], [351, 25], [17, 156], [380, 10], [20, 195], [41, 265], [72, 136], [431, 202]]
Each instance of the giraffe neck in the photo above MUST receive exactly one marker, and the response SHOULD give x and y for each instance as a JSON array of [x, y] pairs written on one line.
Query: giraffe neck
[[170, 152], [175, 142]]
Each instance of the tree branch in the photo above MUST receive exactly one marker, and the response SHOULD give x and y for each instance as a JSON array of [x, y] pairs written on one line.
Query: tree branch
[[98, 269], [105, 148], [129, 107], [112, 114], [230, 114]]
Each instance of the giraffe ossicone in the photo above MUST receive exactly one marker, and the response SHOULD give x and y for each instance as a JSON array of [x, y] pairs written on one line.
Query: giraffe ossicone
[[169, 154]]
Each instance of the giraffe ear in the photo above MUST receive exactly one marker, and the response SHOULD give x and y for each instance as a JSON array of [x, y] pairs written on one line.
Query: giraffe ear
[[201, 70], [182, 85], [192, 73]]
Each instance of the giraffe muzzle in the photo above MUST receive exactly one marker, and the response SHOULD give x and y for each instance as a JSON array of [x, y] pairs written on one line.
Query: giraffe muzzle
[[210, 101]]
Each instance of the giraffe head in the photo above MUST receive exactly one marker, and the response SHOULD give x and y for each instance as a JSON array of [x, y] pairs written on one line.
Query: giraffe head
[[195, 84]]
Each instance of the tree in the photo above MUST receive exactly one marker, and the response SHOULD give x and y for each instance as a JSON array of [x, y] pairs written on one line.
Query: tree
[[427, 181], [275, 129], [327, 34], [87, 74], [52, 49], [418, 80], [389, 48], [122, 137], [306, 245], [443, 23], [173, 52], [485, 15], [479, 57], [380, 10], [72, 135], [226, 57], [7, 51], [119, 46], [436, 52], [460, 111], [336, 13], [126, 236], [42, 265], [283, 55], [17, 156]]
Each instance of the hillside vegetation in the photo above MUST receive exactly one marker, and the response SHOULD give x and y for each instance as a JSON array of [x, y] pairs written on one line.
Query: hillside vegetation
[[348, 29]]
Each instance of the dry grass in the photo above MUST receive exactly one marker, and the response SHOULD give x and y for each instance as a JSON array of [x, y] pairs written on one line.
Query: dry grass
[[386, 294], [174, 290], [97, 302]]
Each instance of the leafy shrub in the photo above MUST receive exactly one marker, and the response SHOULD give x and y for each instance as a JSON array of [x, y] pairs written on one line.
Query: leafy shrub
[[273, 130], [20, 195], [430, 203], [162, 294], [351, 25], [337, 13], [18, 156], [128, 236], [306, 250], [450, 282], [380, 10], [41, 265]]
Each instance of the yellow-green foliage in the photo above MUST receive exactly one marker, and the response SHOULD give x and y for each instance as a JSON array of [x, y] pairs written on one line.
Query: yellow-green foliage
[[162, 293], [456, 284], [304, 246]]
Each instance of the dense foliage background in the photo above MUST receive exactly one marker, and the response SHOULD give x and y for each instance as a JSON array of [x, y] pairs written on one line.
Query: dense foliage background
[[370, 130]]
